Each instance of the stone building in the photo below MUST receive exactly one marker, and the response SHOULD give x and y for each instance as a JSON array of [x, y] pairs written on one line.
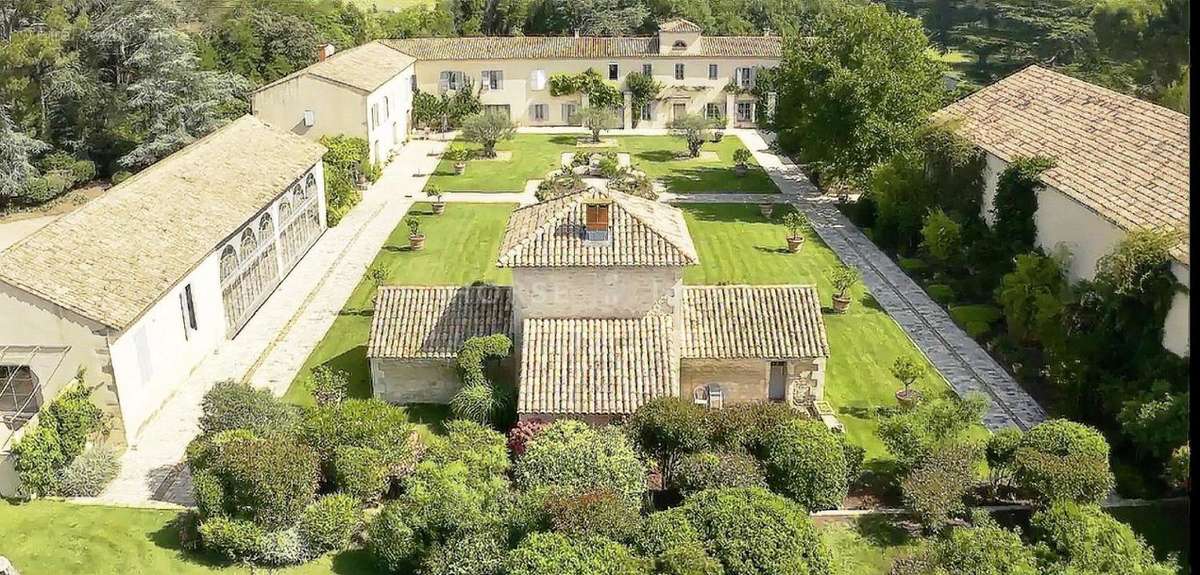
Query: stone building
[[137, 287], [602, 322], [1121, 164], [367, 91]]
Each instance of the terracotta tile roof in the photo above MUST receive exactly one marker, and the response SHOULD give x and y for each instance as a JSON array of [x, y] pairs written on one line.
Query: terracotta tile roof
[[551, 234], [1121, 157], [434, 322], [365, 67], [678, 25], [118, 254], [595, 366], [726, 322], [560, 47]]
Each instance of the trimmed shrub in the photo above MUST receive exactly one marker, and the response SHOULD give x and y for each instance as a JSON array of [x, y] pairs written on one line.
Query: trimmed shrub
[[934, 491], [236, 405], [746, 426], [83, 171], [688, 559], [984, 549], [480, 448], [272, 479], [330, 523], [470, 554], [699, 471], [392, 541], [555, 554], [572, 455], [668, 427], [360, 472], [664, 530], [209, 494], [940, 293], [39, 456], [520, 435], [1061, 460], [1085, 539], [233, 539], [90, 473], [284, 547], [753, 531], [806, 462], [361, 423], [854, 459], [601, 512], [328, 385], [976, 320], [202, 449]]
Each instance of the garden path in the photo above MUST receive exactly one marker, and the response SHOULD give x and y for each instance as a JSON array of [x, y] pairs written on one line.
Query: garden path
[[961, 360], [274, 344]]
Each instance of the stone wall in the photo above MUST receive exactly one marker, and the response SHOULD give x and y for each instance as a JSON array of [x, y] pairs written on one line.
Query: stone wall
[[597, 292], [743, 380], [406, 381]]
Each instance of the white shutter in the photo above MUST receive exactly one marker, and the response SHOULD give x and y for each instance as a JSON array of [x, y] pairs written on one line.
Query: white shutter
[[538, 79], [484, 78], [499, 79], [752, 74], [444, 81]]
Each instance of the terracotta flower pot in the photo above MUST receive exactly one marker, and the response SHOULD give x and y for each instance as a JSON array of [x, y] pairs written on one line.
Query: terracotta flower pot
[[908, 398], [439, 208], [740, 170], [841, 303], [794, 243], [416, 242], [459, 168], [767, 209]]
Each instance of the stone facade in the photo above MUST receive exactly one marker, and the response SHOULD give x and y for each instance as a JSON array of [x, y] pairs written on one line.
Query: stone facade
[[406, 381], [595, 292], [746, 380]]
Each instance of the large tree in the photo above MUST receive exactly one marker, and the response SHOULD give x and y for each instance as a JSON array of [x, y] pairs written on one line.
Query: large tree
[[15, 151], [858, 92]]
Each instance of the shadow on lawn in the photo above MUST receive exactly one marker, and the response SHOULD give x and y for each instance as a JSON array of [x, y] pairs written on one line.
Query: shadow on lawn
[[734, 213]]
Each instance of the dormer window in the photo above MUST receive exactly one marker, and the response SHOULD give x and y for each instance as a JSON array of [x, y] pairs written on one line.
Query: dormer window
[[596, 220], [679, 45]]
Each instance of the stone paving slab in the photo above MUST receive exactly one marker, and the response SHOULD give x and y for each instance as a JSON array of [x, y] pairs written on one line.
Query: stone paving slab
[[965, 365]]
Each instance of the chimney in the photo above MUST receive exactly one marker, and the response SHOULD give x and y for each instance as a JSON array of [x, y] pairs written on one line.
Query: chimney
[[597, 227], [324, 51]]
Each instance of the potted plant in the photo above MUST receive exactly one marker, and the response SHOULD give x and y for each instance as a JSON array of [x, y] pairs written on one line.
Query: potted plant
[[796, 222], [741, 157], [416, 239], [907, 371], [458, 155], [767, 208], [717, 136], [843, 278], [434, 192]]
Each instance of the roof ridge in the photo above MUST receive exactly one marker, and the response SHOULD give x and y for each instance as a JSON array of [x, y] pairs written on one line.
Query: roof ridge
[[622, 197], [545, 225]]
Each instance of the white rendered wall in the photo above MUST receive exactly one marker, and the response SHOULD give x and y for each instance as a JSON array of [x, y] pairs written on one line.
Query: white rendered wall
[[1176, 338], [389, 136], [337, 109]]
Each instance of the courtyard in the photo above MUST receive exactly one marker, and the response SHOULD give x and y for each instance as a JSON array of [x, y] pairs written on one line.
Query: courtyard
[[530, 156]]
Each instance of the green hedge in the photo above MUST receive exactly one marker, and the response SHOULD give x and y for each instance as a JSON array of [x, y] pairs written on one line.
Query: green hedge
[[976, 319]]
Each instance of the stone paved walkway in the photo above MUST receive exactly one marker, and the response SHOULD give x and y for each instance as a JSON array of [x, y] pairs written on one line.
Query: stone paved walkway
[[965, 365], [273, 345]]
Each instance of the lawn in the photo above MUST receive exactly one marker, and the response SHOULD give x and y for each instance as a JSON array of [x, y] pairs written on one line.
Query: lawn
[[460, 248], [534, 155], [384, 5], [737, 245]]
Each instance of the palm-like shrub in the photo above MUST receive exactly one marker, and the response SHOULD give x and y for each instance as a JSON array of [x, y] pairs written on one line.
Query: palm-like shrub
[[486, 129]]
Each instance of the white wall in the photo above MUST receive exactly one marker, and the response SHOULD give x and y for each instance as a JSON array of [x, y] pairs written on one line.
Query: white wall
[[393, 129], [1176, 338], [337, 109], [155, 355]]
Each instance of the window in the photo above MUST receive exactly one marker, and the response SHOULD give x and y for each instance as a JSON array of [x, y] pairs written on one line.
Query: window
[[648, 111], [745, 111], [537, 80], [452, 80], [375, 115], [679, 71], [614, 72], [648, 69], [414, 82], [387, 107], [20, 394], [679, 45], [745, 77], [189, 308], [569, 112], [713, 111], [142, 345], [492, 79], [538, 112], [713, 70]]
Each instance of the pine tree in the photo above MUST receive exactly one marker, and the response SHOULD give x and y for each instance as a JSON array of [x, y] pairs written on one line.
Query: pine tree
[[15, 150]]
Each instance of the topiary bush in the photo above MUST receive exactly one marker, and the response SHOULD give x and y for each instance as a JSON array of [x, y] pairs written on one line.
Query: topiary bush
[[572, 455], [689, 559], [237, 540], [237, 405], [1061, 460], [480, 448], [392, 541], [269, 480], [556, 554], [666, 428], [696, 472], [599, 512], [480, 399], [746, 426], [664, 530], [361, 423], [209, 494], [90, 472], [330, 523], [1084, 539], [753, 531], [806, 462], [470, 554], [911, 436], [360, 472]]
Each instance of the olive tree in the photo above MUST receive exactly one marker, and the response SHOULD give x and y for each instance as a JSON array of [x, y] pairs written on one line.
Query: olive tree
[[486, 129], [597, 119], [694, 129]]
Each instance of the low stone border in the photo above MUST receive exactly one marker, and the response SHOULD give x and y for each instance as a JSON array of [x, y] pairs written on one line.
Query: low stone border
[[501, 156], [587, 143]]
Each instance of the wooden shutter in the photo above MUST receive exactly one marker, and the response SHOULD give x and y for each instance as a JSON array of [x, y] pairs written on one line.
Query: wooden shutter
[[444, 81]]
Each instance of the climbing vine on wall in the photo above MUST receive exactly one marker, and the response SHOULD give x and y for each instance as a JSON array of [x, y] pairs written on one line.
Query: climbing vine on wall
[[480, 399], [589, 82], [1016, 202]]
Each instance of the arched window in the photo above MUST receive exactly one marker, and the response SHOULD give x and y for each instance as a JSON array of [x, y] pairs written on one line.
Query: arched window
[[229, 262], [679, 45], [266, 228], [249, 242], [310, 185], [285, 212], [298, 193]]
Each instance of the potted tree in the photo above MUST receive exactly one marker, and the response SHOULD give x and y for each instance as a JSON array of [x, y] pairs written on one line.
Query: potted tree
[[907, 371], [796, 222], [767, 208], [434, 192], [741, 157], [416, 239], [843, 278], [458, 155]]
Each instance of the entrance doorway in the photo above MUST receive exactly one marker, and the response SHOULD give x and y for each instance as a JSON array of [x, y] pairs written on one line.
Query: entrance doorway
[[678, 110], [777, 385]]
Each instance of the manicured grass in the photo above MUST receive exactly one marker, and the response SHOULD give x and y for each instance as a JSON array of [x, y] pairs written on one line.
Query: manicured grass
[[56, 538], [737, 245], [460, 248], [534, 155], [866, 546]]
